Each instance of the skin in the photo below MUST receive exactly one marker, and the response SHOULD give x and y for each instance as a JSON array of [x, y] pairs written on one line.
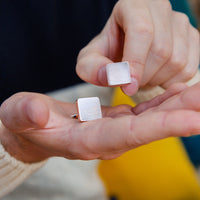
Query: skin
[[160, 45], [36, 127]]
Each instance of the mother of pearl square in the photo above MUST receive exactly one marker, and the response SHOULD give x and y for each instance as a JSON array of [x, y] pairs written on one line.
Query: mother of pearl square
[[118, 73], [89, 108]]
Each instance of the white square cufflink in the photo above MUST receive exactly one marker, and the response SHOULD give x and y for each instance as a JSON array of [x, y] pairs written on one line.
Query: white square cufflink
[[118, 73], [89, 108]]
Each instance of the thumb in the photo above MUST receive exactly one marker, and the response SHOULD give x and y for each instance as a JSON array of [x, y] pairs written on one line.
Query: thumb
[[23, 111]]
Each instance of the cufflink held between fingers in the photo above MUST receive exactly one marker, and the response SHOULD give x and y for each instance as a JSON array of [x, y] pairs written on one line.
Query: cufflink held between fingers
[[118, 73], [88, 109]]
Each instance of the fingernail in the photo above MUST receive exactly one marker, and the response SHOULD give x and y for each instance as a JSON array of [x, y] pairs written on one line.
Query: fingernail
[[131, 88], [102, 76]]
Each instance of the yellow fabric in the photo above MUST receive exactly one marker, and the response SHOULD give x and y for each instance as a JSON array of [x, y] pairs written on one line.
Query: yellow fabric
[[157, 171], [120, 98]]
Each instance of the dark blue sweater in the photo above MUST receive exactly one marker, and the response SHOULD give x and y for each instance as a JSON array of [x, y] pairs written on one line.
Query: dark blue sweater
[[40, 40]]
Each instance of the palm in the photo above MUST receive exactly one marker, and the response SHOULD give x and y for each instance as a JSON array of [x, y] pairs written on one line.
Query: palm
[[122, 127]]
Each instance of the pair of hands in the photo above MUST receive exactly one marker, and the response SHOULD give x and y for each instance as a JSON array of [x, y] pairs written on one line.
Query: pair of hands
[[162, 48], [160, 44], [36, 126]]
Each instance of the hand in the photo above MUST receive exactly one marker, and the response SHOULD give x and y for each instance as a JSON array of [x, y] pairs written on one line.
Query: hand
[[159, 43], [36, 127]]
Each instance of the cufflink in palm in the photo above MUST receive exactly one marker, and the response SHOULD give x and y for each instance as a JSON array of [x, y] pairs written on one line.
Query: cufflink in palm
[[88, 109]]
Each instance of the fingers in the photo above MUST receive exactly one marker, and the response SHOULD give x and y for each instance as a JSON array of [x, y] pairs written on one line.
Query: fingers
[[119, 130], [161, 48], [192, 63], [104, 49], [23, 111], [160, 45], [136, 22], [188, 99], [92, 67], [127, 36], [176, 97], [173, 90], [155, 125], [109, 137], [179, 58]]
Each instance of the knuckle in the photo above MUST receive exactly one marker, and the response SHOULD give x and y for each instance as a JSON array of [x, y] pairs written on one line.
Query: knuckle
[[82, 53], [167, 5], [117, 7], [162, 50], [185, 19], [144, 28], [163, 4], [195, 35], [80, 66], [133, 139], [182, 18], [188, 73], [178, 61]]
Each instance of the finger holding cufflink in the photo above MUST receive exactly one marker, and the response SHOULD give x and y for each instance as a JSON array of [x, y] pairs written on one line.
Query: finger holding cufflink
[[118, 74]]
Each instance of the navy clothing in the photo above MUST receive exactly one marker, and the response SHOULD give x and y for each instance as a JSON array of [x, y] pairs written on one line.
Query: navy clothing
[[40, 41]]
